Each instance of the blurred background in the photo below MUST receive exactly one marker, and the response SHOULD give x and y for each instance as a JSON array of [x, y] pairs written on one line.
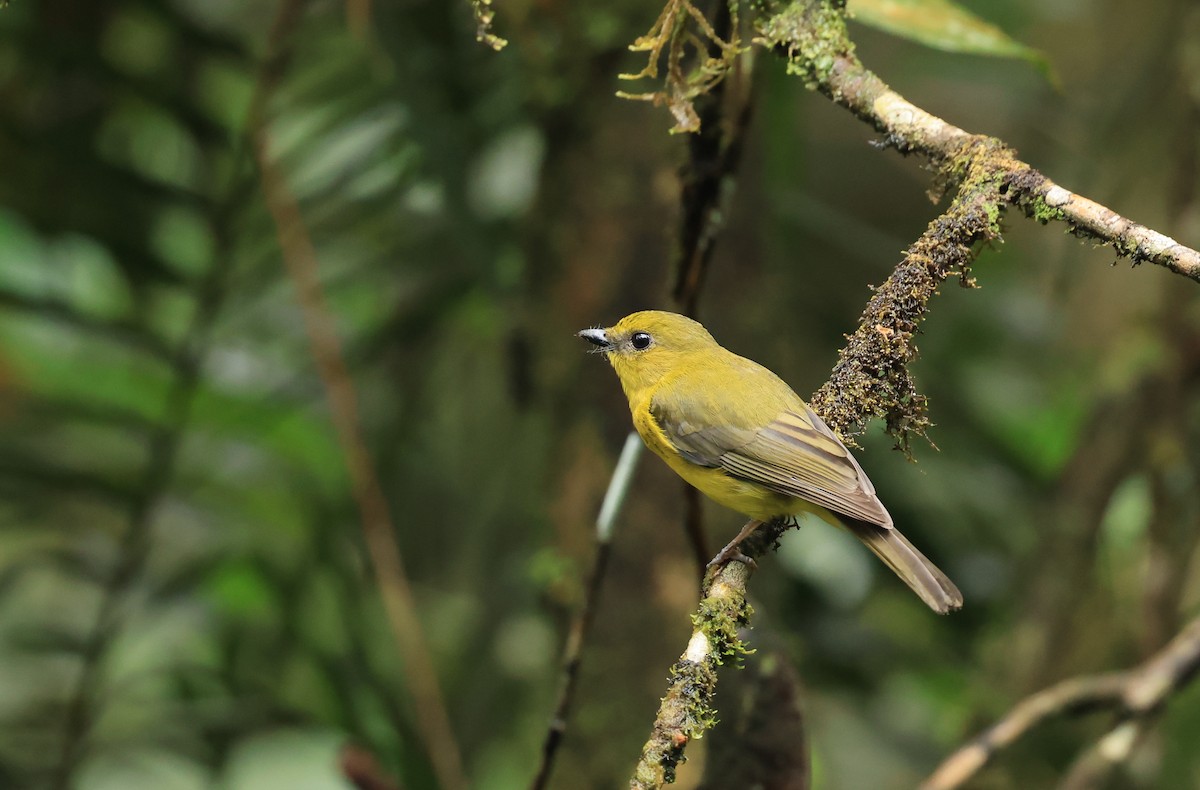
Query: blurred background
[[185, 596]]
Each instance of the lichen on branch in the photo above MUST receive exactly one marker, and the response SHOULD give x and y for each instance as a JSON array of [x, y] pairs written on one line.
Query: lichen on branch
[[812, 35], [686, 711], [871, 377], [484, 14], [697, 59]]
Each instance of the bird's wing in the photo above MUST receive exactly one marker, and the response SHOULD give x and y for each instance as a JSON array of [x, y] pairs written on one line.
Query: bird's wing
[[796, 454]]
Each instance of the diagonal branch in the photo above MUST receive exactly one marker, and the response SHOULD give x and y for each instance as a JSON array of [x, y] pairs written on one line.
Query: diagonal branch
[[706, 185], [707, 182], [871, 377], [812, 35], [1134, 695], [379, 533], [686, 710]]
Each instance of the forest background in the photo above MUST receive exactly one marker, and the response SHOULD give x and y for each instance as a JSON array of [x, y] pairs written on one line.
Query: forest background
[[283, 283]]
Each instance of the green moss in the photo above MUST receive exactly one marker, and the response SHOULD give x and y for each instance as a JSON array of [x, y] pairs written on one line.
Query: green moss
[[687, 710], [720, 619], [872, 378], [813, 34], [1043, 212], [699, 682], [1026, 189]]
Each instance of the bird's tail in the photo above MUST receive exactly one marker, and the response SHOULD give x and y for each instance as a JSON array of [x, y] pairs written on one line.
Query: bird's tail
[[909, 564]]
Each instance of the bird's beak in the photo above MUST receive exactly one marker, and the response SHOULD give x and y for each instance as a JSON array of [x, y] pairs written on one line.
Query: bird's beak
[[598, 338]]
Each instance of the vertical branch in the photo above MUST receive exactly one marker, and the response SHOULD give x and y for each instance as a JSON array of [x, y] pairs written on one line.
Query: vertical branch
[[358, 17], [300, 260], [614, 498], [686, 709], [706, 184]]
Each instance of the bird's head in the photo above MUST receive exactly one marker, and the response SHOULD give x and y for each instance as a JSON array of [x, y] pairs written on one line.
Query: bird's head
[[643, 347]]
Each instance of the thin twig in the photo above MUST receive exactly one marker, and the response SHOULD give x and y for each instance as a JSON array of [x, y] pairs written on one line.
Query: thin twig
[[300, 260], [1075, 694], [1133, 695], [706, 185], [362, 770], [614, 498], [707, 179]]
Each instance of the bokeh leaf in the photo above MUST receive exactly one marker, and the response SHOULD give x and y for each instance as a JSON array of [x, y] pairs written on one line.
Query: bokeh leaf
[[947, 26]]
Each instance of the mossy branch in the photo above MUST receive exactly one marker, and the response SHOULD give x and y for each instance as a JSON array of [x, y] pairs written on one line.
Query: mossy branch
[[871, 377], [686, 711], [812, 35]]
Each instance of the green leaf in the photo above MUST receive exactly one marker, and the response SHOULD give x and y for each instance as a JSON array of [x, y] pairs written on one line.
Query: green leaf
[[945, 25]]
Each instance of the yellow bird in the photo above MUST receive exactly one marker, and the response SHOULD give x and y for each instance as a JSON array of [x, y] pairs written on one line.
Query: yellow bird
[[737, 432]]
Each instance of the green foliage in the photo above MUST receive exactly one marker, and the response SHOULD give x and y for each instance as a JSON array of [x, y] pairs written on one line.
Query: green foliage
[[185, 600], [945, 25]]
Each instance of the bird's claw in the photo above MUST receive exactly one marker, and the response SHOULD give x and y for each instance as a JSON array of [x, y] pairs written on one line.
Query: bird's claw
[[731, 553]]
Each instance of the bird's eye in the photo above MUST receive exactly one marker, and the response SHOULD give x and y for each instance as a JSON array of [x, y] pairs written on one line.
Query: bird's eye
[[640, 341]]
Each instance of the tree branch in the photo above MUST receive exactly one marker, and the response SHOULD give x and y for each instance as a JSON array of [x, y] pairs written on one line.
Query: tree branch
[[581, 626], [1134, 695], [299, 256], [812, 35], [706, 185], [706, 182], [871, 377], [686, 710]]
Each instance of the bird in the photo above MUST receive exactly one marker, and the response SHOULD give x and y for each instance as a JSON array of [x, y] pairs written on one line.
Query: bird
[[737, 432]]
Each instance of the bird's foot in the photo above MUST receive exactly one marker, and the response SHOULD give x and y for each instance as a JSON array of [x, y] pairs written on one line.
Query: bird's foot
[[731, 553]]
